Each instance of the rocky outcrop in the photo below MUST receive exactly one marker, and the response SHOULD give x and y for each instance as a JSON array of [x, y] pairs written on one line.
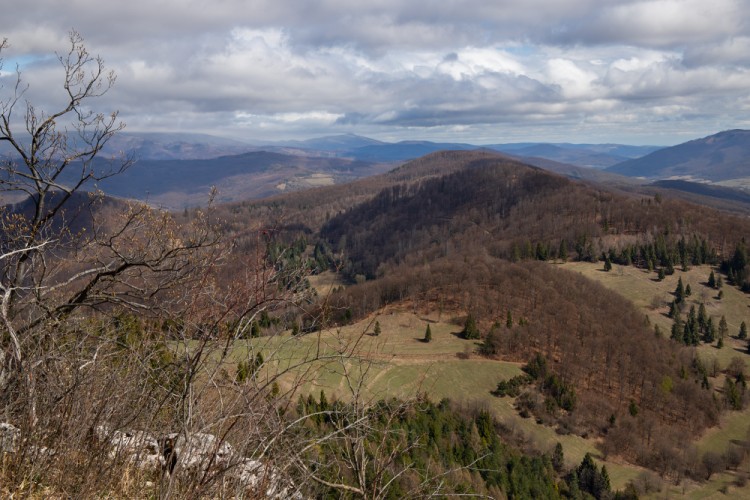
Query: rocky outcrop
[[10, 437], [195, 456], [136, 447], [198, 455]]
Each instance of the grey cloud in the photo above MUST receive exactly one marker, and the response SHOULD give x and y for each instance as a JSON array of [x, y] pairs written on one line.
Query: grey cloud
[[285, 66]]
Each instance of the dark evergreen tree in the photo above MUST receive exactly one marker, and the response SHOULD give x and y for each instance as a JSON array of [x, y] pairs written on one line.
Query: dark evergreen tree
[[633, 408], [679, 292], [562, 253], [607, 264], [591, 480], [688, 290], [709, 334], [255, 329], [678, 331], [661, 275], [558, 458], [723, 328], [509, 320], [712, 280], [377, 331], [743, 331], [491, 344], [470, 330], [674, 309], [428, 334]]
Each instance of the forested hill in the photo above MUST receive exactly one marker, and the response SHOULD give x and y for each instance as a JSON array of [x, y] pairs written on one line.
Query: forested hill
[[510, 210]]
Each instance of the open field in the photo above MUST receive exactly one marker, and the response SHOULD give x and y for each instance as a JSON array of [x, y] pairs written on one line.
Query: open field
[[398, 363], [653, 297], [645, 291]]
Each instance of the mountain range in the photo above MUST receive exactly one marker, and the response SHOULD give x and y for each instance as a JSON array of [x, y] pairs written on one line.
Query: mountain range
[[719, 157], [177, 170]]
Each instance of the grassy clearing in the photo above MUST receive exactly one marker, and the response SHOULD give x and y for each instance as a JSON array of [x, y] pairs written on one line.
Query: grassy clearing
[[398, 363], [652, 297]]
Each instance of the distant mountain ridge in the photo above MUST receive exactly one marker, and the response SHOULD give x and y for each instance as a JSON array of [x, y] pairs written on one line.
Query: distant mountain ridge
[[718, 157], [186, 146]]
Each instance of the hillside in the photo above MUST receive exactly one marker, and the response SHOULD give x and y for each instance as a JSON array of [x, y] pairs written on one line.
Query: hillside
[[508, 208], [718, 157]]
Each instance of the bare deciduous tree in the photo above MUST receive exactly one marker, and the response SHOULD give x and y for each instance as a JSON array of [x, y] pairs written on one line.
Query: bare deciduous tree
[[61, 249]]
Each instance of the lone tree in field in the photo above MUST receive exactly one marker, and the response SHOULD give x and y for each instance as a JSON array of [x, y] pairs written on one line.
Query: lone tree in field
[[743, 331], [470, 330], [377, 331], [428, 334]]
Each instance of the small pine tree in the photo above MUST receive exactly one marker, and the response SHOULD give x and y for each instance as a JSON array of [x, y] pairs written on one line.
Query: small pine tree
[[470, 330], [661, 274], [428, 334], [377, 330], [295, 328], [743, 331], [509, 320], [255, 329], [258, 362], [723, 327], [709, 334], [702, 316], [688, 291], [607, 264], [633, 408], [673, 309], [679, 292], [558, 458], [712, 280]]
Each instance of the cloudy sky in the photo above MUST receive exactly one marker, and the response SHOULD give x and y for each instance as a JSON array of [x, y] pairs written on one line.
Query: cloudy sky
[[480, 71]]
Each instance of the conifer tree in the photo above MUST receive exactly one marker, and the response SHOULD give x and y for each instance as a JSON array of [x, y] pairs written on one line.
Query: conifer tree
[[702, 317], [712, 280], [743, 331], [470, 330], [709, 334], [723, 329], [678, 332], [673, 309], [377, 329], [558, 458], [428, 334], [509, 320], [679, 292]]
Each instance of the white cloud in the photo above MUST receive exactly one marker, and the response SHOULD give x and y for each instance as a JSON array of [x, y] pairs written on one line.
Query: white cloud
[[466, 67]]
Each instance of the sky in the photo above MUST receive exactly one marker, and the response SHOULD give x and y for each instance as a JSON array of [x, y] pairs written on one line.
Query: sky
[[481, 71]]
